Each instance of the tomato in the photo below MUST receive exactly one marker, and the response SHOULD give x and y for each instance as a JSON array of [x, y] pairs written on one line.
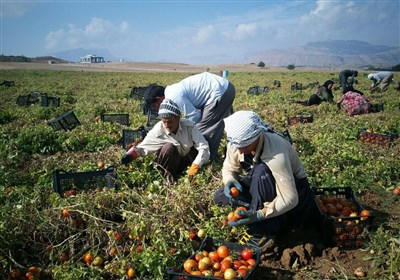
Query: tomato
[[101, 164], [34, 271], [202, 266], [201, 233], [207, 260], [223, 251], [396, 190], [242, 272], [365, 214], [225, 265], [15, 274], [98, 261], [117, 236], [252, 262], [246, 254], [214, 256], [196, 272], [192, 235], [230, 274], [190, 265], [65, 213], [88, 258], [231, 217], [198, 257], [216, 266], [236, 264], [234, 192], [113, 251], [131, 272]]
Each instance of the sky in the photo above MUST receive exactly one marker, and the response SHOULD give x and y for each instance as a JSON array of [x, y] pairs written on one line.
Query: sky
[[180, 30]]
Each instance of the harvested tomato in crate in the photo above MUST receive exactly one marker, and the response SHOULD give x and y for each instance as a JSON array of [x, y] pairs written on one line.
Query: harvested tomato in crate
[[301, 118], [343, 221], [218, 259], [382, 139]]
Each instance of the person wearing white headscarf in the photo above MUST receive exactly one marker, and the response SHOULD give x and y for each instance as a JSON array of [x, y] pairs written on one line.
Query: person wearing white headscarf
[[177, 142], [383, 78], [276, 190]]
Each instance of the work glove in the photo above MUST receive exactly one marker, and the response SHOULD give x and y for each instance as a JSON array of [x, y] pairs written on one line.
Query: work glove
[[193, 170], [231, 183], [128, 157], [248, 217]]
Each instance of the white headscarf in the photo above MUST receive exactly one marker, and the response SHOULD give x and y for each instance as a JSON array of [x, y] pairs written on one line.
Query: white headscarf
[[243, 127]]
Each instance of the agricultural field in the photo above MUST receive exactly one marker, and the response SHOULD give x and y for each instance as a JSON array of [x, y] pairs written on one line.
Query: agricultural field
[[144, 227]]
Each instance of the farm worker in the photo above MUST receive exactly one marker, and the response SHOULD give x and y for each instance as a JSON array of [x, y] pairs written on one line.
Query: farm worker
[[346, 78], [205, 99], [354, 102], [323, 93], [383, 79], [276, 187], [177, 142]]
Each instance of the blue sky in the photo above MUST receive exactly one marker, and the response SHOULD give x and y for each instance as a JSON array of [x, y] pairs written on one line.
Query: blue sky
[[179, 30]]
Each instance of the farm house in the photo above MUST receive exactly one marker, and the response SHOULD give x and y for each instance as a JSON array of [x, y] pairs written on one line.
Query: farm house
[[92, 58]]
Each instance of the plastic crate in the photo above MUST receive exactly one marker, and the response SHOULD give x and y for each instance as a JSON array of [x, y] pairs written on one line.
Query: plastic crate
[[48, 101], [210, 244], [378, 107], [118, 118], [23, 100], [257, 89], [339, 230], [139, 92], [7, 83], [296, 86], [151, 120], [301, 118], [382, 139], [71, 183], [66, 122], [132, 137]]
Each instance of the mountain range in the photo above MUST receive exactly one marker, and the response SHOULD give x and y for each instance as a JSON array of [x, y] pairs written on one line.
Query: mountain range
[[327, 54]]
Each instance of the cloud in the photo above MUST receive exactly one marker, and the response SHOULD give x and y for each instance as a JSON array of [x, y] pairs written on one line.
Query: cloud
[[203, 34], [97, 33]]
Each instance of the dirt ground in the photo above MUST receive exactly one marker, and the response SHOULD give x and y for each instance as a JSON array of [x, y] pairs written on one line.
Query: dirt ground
[[149, 67], [302, 254]]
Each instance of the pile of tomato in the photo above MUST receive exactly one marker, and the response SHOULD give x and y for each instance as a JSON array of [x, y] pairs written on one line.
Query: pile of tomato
[[374, 138], [222, 263], [349, 220]]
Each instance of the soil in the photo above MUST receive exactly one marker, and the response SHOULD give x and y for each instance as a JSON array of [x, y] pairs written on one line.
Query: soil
[[302, 254]]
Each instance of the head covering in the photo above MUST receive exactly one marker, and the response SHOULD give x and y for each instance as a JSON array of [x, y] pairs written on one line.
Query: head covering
[[243, 127], [370, 76], [168, 109]]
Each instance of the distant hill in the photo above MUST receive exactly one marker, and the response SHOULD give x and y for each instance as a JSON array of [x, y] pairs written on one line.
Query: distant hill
[[334, 53]]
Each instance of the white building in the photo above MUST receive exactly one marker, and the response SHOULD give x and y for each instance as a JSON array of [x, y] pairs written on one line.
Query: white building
[[92, 58]]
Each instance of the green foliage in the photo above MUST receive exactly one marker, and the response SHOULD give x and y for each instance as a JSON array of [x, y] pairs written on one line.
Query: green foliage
[[152, 216]]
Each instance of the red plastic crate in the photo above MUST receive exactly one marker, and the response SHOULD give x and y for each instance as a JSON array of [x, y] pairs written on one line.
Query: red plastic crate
[[301, 118]]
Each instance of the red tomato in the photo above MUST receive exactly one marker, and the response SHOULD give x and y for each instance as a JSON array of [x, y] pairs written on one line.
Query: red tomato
[[214, 256], [190, 265], [246, 254], [223, 251]]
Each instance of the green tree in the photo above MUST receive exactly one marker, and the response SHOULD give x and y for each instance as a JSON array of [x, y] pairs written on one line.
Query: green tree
[[291, 67], [261, 64]]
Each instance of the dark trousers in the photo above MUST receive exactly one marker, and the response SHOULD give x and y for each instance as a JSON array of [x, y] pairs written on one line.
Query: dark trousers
[[259, 187], [171, 163], [212, 124]]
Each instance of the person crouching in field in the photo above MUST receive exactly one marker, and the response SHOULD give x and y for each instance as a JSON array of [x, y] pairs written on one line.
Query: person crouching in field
[[276, 189], [347, 78], [322, 94], [205, 99], [354, 102], [177, 142], [382, 79]]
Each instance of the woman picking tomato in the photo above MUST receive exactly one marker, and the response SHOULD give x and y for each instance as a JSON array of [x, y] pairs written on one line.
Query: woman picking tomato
[[276, 187]]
